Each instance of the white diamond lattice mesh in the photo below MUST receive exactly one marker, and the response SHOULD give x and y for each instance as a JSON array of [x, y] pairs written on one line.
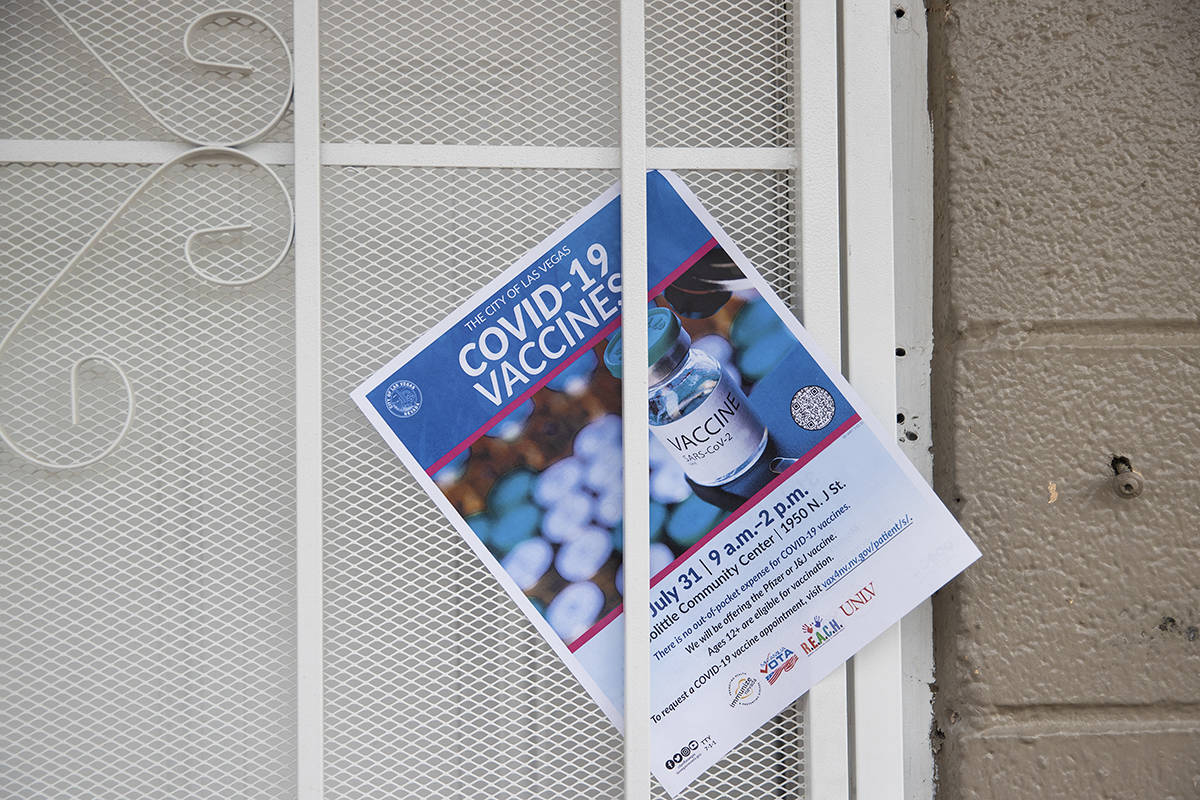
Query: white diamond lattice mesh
[[545, 73], [51, 87], [148, 612], [719, 73], [147, 603], [478, 72], [436, 686]]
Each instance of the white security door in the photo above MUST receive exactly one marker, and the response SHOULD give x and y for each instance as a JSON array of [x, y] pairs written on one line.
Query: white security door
[[215, 580]]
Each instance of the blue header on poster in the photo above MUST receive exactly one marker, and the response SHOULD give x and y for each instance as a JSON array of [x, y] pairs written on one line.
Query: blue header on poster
[[512, 341]]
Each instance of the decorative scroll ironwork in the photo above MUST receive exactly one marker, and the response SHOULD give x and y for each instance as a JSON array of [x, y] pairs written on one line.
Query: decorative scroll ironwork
[[205, 151]]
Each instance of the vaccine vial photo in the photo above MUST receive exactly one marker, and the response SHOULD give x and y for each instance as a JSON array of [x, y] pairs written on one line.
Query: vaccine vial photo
[[697, 409]]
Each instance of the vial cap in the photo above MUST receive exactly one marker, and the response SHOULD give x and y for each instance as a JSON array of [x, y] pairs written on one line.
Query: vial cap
[[559, 480], [763, 355], [663, 328], [755, 320], [568, 517], [597, 436], [481, 524], [583, 556]]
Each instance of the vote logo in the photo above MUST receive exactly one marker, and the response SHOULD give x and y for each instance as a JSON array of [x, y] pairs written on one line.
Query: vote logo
[[779, 662], [403, 399]]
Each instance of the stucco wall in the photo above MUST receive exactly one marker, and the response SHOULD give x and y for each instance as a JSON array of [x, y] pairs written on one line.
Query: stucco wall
[[1067, 331]]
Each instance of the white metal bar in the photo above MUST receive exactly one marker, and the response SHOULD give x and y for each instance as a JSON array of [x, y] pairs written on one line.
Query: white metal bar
[[309, 614], [817, 180], [827, 757], [634, 401], [742, 158], [436, 155], [86, 151], [91, 151], [827, 738], [386, 155], [875, 673], [912, 159], [912, 140]]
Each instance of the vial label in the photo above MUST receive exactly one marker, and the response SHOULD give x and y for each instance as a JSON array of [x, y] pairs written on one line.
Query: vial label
[[717, 437]]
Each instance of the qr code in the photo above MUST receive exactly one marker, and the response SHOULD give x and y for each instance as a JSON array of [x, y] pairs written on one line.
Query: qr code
[[812, 408]]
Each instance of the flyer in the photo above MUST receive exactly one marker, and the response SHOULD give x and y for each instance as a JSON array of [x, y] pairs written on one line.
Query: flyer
[[787, 530]]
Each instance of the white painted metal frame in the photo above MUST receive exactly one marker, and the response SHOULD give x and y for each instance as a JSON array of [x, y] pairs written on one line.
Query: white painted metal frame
[[868, 724], [912, 170], [309, 430], [862, 162], [818, 181], [635, 401], [356, 154], [874, 676]]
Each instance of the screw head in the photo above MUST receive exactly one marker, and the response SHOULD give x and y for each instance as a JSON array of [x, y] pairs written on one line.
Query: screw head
[[1128, 484]]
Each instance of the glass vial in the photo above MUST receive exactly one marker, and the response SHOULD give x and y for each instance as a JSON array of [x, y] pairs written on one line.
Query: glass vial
[[697, 410]]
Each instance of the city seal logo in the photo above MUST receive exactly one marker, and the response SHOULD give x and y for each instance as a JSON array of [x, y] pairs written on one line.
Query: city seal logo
[[403, 399], [743, 690]]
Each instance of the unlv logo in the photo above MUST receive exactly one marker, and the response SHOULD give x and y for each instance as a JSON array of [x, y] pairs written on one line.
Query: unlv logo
[[864, 595]]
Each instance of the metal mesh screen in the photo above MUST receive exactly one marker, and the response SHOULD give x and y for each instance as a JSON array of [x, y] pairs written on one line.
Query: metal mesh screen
[[545, 73], [755, 208], [479, 72], [436, 686], [51, 87], [147, 601], [719, 73]]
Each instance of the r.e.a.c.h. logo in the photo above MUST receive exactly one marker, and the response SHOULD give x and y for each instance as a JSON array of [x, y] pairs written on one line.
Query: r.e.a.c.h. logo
[[402, 398], [819, 631], [778, 663]]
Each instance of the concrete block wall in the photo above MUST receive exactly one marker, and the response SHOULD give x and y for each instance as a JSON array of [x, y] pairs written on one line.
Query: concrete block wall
[[1067, 332]]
